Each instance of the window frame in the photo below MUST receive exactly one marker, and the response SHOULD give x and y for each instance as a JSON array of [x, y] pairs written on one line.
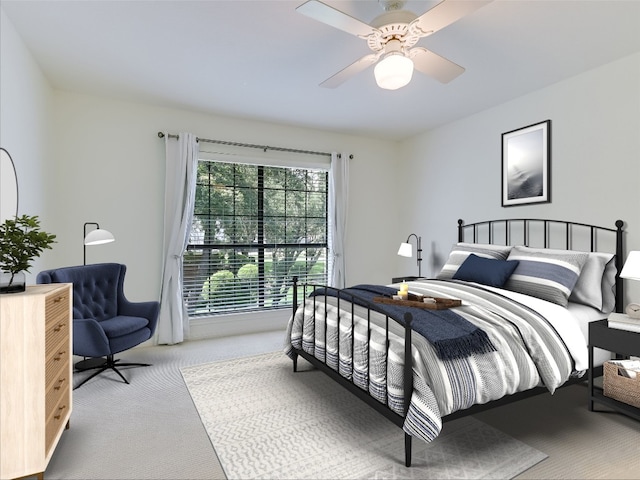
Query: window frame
[[261, 246]]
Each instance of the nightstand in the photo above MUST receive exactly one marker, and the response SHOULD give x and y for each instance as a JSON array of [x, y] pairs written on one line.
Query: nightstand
[[621, 342]]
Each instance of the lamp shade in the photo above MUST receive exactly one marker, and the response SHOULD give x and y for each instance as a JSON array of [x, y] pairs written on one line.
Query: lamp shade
[[631, 267], [405, 250], [394, 71], [98, 237]]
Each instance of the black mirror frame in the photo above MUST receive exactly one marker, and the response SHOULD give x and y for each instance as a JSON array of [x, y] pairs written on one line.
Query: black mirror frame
[[4, 215]]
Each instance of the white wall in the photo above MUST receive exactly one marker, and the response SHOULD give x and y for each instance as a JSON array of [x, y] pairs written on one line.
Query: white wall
[[25, 129], [454, 171], [110, 170]]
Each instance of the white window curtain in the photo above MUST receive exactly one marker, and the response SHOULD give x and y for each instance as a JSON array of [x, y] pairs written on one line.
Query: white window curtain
[[338, 203], [180, 187]]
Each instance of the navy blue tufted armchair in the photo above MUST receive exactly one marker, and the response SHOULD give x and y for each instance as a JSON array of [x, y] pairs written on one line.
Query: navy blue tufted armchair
[[104, 321]]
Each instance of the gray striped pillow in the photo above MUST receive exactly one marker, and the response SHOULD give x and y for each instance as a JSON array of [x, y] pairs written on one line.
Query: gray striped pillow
[[545, 275], [460, 251]]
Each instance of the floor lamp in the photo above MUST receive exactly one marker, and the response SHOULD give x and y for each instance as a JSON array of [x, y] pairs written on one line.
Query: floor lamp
[[95, 237]]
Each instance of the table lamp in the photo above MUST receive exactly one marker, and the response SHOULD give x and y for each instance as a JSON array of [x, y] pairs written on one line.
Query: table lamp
[[406, 250], [631, 270]]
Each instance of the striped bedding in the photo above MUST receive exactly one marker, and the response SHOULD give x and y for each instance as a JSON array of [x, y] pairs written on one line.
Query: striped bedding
[[529, 353]]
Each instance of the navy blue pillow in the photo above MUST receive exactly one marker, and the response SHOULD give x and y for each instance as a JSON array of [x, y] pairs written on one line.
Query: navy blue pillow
[[487, 271]]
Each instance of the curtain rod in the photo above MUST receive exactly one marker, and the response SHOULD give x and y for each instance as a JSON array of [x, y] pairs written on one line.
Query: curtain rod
[[249, 145]]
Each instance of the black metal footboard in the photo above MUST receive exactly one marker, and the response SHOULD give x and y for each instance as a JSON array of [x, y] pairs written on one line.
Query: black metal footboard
[[364, 395]]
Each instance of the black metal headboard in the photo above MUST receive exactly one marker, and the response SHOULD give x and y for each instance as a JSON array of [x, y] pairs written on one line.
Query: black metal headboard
[[530, 230]]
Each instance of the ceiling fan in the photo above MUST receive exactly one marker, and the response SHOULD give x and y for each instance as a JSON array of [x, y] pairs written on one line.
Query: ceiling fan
[[392, 36]]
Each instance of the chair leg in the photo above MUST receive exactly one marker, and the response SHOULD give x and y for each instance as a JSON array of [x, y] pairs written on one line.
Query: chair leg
[[97, 372], [108, 364]]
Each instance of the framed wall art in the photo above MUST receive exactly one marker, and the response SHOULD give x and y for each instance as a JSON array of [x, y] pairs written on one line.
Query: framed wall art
[[526, 165]]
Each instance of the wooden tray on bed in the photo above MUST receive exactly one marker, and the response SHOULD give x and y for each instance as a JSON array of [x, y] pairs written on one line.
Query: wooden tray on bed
[[418, 302]]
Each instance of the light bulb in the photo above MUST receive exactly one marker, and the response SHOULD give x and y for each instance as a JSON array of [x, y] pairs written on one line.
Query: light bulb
[[394, 71]]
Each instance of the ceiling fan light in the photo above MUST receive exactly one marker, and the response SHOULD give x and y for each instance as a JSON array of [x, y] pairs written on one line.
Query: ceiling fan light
[[394, 71]]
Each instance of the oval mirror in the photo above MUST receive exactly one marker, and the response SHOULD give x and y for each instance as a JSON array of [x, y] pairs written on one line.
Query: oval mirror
[[8, 187]]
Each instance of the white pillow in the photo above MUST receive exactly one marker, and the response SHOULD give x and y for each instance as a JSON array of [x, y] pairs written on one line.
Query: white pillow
[[595, 286]]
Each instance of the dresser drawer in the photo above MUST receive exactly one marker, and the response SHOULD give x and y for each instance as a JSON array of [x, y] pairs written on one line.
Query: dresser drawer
[[57, 419], [56, 331], [57, 361], [56, 307], [57, 387]]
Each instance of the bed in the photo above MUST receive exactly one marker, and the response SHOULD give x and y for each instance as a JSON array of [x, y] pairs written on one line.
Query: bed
[[526, 290]]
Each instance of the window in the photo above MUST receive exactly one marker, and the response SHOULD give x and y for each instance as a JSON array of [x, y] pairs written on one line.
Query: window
[[254, 228]]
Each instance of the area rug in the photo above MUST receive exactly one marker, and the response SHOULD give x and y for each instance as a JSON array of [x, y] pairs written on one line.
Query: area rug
[[265, 421]]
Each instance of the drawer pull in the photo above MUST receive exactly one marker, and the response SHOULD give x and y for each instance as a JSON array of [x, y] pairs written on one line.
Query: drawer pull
[[59, 327], [60, 354], [60, 382], [60, 409], [58, 299]]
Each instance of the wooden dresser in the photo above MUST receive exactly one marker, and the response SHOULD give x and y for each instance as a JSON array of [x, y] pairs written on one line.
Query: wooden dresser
[[35, 376]]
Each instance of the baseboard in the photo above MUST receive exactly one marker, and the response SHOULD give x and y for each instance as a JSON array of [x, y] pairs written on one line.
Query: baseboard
[[238, 324]]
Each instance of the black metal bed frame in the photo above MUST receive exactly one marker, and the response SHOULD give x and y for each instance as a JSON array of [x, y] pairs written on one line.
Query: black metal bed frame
[[475, 228]]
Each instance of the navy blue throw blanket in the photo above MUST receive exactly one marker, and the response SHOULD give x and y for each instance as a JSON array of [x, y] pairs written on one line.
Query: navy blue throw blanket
[[450, 334]]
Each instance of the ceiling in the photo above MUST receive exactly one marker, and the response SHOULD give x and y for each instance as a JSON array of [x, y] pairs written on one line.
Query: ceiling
[[264, 61]]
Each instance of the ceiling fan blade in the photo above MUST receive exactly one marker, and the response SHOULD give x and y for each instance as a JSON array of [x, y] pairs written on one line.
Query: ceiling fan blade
[[324, 13], [348, 72], [434, 65], [447, 12]]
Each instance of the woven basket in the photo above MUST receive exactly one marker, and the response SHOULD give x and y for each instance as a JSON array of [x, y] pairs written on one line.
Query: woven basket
[[619, 387]]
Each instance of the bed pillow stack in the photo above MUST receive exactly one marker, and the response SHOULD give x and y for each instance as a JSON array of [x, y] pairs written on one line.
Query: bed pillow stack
[[558, 276], [460, 251]]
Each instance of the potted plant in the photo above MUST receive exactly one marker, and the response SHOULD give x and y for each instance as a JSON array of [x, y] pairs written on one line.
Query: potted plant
[[21, 240]]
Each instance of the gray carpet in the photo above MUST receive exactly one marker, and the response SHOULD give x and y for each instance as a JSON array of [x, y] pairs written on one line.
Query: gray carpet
[[580, 444], [265, 421], [151, 429]]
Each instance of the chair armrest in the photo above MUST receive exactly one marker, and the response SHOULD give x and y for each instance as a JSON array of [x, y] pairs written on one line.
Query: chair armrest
[[89, 339], [148, 310], [44, 277]]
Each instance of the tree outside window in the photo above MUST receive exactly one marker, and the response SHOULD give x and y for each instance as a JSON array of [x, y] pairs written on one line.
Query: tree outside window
[[254, 228]]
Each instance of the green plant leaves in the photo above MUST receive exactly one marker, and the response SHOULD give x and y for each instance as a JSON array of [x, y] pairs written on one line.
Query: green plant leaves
[[21, 241]]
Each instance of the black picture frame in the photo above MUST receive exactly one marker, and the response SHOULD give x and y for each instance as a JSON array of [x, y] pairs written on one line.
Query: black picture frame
[[526, 165]]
